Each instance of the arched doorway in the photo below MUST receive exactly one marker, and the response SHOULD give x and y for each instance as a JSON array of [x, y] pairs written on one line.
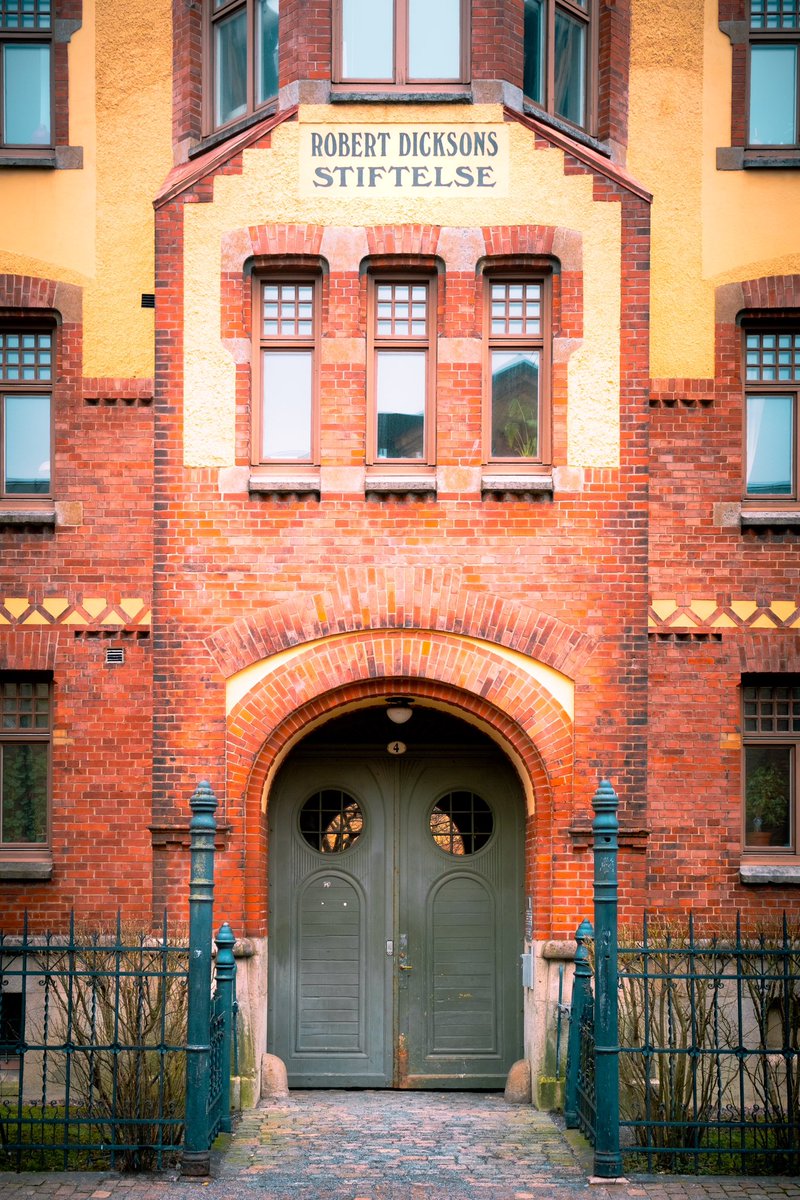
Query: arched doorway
[[396, 906]]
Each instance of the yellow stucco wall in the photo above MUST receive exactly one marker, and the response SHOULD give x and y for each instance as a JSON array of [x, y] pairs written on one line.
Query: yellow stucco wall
[[709, 227], [94, 226], [270, 189]]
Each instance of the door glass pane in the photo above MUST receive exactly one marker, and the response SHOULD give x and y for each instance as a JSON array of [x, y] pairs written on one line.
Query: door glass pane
[[533, 84], [773, 95], [27, 445], [367, 39], [570, 69], [461, 823], [26, 95], [331, 821], [286, 411], [515, 403], [266, 50], [401, 404], [24, 793], [434, 39], [770, 441], [230, 59], [768, 796]]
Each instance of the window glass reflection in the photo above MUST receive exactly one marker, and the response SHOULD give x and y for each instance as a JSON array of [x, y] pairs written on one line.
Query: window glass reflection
[[331, 821], [533, 84], [434, 39], [287, 392], [767, 796], [26, 94], [770, 438], [461, 823], [230, 58], [367, 39], [570, 69], [773, 95], [24, 793], [266, 50], [515, 403], [401, 404], [27, 445]]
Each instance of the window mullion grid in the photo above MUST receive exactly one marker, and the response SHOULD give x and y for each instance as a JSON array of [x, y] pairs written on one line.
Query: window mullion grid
[[402, 35]]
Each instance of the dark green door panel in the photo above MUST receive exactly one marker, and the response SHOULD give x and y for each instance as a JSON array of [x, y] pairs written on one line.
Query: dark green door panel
[[330, 979], [330, 966], [462, 981], [461, 908], [395, 961]]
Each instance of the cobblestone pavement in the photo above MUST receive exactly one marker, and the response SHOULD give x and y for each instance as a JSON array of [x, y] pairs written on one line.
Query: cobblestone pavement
[[337, 1145]]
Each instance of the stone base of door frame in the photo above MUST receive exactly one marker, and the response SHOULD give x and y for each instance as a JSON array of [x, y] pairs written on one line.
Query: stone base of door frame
[[274, 1081], [553, 968]]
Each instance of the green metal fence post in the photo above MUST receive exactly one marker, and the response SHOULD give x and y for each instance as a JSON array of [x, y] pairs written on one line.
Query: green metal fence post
[[226, 994], [196, 1159], [581, 991], [607, 1158]]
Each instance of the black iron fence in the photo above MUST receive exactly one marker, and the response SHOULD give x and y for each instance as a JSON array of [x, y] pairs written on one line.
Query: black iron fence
[[114, 1050], [92, 1048], [710, 1050], [684, 1050]]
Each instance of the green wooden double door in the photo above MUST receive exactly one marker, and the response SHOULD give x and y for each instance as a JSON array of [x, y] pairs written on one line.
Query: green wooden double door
[[396, 921]]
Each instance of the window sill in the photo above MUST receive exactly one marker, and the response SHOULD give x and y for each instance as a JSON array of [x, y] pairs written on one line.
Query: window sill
[[284, 484], [27, 516], [520, 486], [387, 485], [787, 873], [786, 517], [572, 131], [392, 95], [62, 158], [736, 158], [19, 868], [221, 135]]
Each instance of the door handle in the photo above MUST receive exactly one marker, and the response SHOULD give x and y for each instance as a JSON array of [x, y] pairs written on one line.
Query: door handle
[[405, 967]]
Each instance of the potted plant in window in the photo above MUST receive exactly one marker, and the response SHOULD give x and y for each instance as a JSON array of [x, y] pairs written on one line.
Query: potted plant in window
[[767, 800]]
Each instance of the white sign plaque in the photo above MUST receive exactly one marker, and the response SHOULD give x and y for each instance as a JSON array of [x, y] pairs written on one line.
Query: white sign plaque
[[390, 160]]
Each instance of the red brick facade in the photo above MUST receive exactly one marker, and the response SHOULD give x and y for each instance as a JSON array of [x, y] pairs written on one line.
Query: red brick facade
[[96, 555], [355, 596]]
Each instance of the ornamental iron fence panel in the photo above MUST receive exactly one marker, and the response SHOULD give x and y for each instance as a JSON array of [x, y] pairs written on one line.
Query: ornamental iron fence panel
[[710, 1050], [92, 1048], [114, 1052]]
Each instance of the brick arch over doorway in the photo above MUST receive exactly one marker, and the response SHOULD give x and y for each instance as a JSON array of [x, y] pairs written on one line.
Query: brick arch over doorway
[[403, 598], [465, 677], [380, 631]]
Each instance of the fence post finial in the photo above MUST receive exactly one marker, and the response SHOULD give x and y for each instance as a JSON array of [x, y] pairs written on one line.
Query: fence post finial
[[196, 1158], [605, 826]]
